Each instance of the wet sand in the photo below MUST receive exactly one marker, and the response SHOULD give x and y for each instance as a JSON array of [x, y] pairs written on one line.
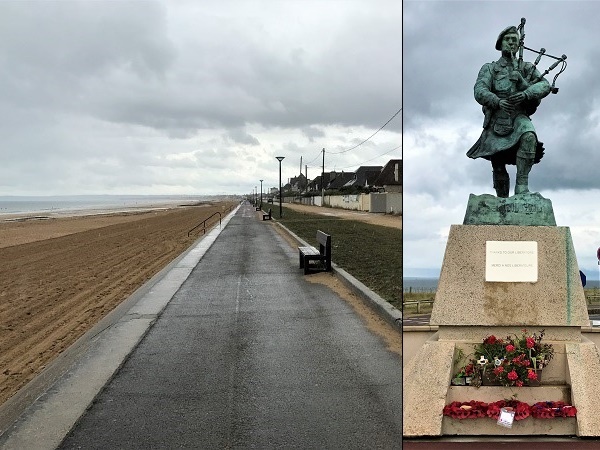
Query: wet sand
[[60, 276]]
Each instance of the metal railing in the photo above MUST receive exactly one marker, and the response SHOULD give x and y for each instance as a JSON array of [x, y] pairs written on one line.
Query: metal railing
[[203, 223]]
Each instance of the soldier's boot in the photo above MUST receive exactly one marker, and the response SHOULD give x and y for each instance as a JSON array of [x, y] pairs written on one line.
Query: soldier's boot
[[501, 181], [524, 162]]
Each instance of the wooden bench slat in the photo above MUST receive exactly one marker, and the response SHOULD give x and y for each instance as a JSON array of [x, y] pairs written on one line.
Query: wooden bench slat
[[310, 253]]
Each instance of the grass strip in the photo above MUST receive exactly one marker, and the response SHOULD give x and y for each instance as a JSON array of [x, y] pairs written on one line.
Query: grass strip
[[371, 253]]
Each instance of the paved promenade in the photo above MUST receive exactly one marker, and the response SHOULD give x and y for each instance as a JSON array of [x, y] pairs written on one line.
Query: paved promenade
[[248, 354]]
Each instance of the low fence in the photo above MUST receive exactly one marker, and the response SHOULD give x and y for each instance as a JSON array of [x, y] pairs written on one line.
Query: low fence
[[418, 290], [418, 303]]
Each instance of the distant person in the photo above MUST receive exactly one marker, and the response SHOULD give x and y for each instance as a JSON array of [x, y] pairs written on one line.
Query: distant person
[[509, 95]]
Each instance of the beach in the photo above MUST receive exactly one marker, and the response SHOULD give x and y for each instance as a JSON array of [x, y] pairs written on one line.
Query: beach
[[60, 276]]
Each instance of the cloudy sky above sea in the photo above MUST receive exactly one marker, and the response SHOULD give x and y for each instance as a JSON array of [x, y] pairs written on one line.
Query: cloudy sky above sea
[[193, 97], [445, 43]]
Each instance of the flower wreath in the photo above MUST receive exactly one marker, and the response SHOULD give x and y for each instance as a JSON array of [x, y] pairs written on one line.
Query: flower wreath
[[521, 409], [466, 410], [542, 410], [549, 410]]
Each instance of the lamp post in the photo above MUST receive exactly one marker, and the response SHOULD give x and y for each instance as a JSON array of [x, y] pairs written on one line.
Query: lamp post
[[261, 194], [280, 158]]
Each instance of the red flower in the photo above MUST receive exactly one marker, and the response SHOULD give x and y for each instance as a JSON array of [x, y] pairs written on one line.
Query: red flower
[[490, 340], [510, 348], [512, 375], [521, 411], [469, 369], [526, 363], [475, 409], [549, 410], [466, 410], [498, 370], [530, 342], [519, 383], [493, 411], [532, 375]]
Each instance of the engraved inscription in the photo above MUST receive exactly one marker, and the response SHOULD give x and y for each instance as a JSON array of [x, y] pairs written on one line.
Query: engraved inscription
[[520, 208], [511, 261]]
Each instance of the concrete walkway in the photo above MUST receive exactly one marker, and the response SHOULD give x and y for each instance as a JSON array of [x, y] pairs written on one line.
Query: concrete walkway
[[246, 354]]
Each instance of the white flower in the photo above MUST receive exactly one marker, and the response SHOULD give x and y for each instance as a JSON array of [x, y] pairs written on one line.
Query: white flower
[[482, 361], [498, 362]]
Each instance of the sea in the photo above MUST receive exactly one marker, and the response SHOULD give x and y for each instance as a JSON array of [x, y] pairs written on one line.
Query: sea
[[15, 206], [414, 284]]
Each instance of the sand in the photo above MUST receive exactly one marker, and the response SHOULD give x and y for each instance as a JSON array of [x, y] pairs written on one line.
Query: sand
[[60, 276]]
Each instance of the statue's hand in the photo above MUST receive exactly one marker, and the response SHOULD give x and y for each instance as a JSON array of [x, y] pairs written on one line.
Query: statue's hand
[[507, 106], [517, 98]]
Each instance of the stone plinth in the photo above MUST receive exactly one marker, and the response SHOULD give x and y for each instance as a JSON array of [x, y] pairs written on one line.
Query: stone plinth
[[425, 383], [464, 297], [468, 308], [583, 361]]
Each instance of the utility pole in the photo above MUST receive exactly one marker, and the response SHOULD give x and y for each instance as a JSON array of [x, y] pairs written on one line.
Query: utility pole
[[323, 181], [306, 176]]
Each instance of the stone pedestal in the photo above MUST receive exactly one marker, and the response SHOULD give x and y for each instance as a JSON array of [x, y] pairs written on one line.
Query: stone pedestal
[[464, 297], [468, 308]]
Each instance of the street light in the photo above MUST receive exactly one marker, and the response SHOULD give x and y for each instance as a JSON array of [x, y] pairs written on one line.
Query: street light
[[261, 194], [280, 158]]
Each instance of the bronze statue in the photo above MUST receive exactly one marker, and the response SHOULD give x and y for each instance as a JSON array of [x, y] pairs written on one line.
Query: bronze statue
[[510, 91]]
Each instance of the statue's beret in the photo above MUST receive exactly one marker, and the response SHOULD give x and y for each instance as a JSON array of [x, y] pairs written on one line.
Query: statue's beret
[[511, 29]]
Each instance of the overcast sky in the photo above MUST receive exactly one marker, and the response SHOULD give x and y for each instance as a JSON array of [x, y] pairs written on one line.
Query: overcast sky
[[445, 43], [193, 97]]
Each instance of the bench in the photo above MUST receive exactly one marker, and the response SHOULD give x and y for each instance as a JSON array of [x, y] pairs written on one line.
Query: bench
[[323, 254], [267, 216]]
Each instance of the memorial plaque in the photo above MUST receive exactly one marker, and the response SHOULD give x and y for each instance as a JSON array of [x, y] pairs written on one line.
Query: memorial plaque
[[511, 261]]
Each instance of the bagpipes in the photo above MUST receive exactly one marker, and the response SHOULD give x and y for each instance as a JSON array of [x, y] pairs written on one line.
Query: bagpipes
[[541, 52]]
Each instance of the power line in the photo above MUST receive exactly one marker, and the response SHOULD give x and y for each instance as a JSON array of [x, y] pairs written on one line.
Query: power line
[[358, 145], [318, 156], [360, 164]]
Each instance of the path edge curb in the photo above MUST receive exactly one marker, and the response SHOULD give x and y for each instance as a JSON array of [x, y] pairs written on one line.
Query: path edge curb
[[385, 310]]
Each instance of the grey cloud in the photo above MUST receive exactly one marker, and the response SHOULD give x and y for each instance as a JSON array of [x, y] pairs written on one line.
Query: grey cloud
[[240, 136], [101, 94], [445, 44], [312, 132], [55, 49], [442, 57]]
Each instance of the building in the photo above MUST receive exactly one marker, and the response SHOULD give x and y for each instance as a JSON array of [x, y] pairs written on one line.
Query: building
[[390, 178]]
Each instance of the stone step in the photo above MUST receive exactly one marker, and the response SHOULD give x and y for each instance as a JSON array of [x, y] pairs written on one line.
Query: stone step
[[563, 426], [488, 394]]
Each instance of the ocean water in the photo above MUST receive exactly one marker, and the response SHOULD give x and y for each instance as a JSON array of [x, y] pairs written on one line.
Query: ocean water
[[413, 284], [89, 204]]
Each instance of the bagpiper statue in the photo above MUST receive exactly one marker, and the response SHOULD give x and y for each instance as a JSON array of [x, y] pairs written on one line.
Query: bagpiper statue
[[510, 91]]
